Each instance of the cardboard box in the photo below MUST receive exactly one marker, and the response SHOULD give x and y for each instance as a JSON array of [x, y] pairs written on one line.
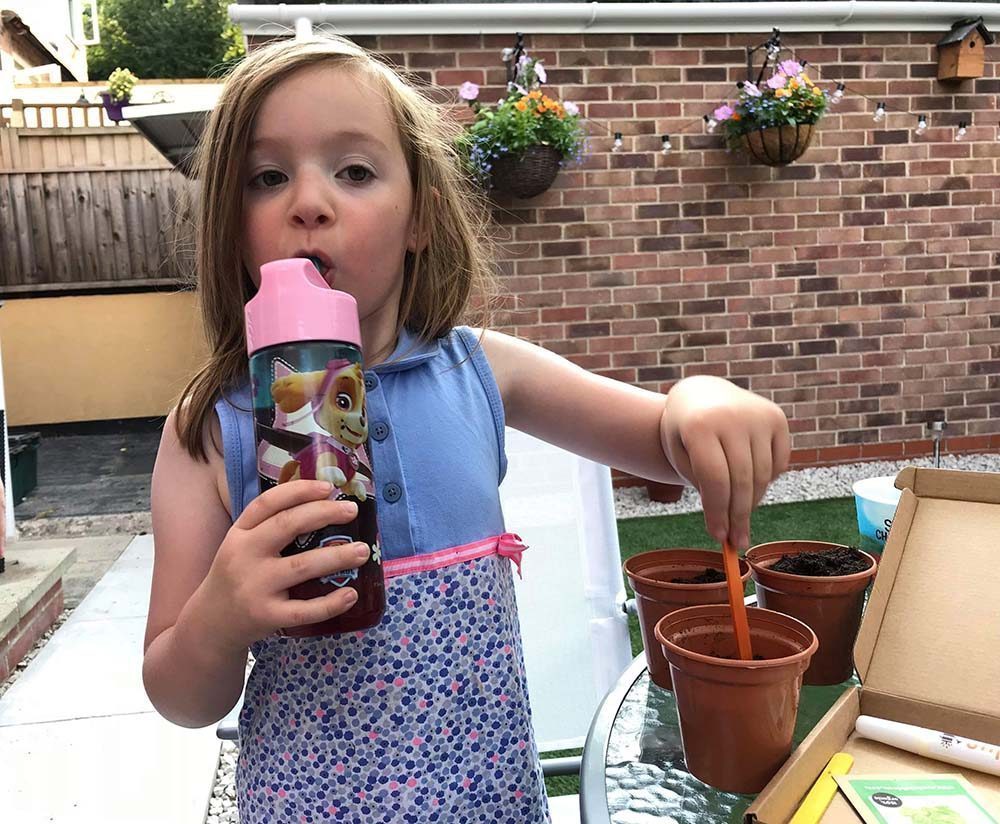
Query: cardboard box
[[928, 651]]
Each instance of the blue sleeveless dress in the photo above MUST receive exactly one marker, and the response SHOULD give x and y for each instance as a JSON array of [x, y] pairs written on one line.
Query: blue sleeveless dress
[[424, 718]]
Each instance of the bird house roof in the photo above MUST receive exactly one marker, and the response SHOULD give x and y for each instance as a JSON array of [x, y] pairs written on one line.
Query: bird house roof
[[963, 28]]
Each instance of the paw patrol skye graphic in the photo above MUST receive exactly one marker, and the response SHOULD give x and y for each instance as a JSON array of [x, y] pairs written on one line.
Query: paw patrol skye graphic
[[337, 396]]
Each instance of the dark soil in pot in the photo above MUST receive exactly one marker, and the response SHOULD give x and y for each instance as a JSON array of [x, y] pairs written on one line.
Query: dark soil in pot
[[840, 561]]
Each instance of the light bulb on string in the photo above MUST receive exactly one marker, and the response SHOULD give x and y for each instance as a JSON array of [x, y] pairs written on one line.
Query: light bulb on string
[[710, 123], [618, 142], [879, 112], [961, 130], [837, 95], [667, 145], [921, 124]]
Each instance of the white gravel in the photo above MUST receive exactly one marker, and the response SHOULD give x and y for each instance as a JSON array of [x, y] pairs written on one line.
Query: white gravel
[[632, 502], [801, 484]]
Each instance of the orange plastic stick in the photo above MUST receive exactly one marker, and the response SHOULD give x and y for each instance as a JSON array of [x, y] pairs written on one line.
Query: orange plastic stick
[[734, 583]]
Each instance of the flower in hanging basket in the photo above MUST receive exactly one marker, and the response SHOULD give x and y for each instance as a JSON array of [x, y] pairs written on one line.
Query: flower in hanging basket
[[774, 123], [520, 143], [120, 84]]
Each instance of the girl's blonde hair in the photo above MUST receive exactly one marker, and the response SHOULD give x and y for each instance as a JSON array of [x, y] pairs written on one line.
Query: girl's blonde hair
[[454, 264]]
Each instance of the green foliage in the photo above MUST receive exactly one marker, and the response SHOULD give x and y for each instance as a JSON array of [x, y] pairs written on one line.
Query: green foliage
[[525, 117], [164, 38]]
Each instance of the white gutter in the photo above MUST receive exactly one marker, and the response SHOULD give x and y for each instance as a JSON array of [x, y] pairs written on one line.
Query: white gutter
[[607, 18]]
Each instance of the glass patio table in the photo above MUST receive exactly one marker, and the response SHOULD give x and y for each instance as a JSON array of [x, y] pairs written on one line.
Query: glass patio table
[[633, 768]]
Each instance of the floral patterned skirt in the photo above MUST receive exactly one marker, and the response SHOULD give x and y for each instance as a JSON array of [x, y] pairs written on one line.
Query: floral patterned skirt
[[424, 718]]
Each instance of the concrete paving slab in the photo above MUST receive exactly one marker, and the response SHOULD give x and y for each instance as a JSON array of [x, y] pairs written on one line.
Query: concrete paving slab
[[94, 556], [122, 770], [87, 669], [123, 591]]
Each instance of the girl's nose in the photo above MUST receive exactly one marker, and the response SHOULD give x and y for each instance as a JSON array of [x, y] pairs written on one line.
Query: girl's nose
[[311, 208]]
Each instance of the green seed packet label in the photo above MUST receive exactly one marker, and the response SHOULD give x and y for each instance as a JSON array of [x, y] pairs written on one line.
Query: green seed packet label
[[914, 799]]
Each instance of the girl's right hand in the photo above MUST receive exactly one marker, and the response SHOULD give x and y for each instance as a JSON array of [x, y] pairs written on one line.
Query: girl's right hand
[[249, 579]]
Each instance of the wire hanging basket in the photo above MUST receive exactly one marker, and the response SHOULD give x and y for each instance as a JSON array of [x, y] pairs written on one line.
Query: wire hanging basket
[[778, 145], [528, 174]]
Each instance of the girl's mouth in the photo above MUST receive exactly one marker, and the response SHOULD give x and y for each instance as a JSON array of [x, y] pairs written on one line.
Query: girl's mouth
[[321, 267]]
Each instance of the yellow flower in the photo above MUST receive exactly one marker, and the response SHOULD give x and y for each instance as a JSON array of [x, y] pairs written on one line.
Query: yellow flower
[[817, 91], [535, 94], [807, 79], [782, 93], [521, 105], [793, 83]]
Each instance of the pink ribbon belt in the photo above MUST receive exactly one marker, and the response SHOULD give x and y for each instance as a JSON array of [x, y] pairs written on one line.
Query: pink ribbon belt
[[507, 545]]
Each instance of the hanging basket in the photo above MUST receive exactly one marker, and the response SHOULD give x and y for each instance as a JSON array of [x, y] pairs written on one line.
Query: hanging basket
[[114, 107], [778, 145], [529, 174]]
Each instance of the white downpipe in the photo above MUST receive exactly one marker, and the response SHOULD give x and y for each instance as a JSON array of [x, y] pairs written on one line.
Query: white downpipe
[[303, 28], [596, 17]]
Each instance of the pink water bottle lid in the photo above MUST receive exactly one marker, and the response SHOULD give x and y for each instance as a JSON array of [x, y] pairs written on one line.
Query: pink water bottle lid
[[295, 304]]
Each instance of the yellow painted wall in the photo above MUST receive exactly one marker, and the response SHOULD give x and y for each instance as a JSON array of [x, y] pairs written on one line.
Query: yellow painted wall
[[98, 357]]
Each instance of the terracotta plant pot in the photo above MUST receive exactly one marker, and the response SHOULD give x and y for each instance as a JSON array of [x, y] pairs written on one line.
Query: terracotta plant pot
[[736, 717], [651, 574], [664, 493], [832, 606], [778, 145]]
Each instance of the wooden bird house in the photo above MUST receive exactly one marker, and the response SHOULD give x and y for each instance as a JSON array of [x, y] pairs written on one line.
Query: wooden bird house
[[962, 51]]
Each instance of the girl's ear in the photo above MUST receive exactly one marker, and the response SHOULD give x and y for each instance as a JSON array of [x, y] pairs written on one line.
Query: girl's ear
[[417, 240]]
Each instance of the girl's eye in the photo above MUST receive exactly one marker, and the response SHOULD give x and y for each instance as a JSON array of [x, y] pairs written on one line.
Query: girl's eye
[[357, 173], [269, 178]]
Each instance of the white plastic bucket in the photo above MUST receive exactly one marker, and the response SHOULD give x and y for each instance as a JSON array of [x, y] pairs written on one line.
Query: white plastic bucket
[[875, 500]]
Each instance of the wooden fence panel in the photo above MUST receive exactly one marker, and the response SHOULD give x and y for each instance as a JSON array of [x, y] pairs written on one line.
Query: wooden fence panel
[[92, 229]]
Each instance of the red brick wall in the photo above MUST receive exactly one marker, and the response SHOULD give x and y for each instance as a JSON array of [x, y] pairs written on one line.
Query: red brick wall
[[857, 287], [19, 641]]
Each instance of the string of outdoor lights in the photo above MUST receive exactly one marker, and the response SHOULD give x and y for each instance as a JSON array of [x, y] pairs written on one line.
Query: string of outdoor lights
[[773, 50]]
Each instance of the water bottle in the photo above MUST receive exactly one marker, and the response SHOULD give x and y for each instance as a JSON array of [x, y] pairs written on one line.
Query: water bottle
[[308, 394]]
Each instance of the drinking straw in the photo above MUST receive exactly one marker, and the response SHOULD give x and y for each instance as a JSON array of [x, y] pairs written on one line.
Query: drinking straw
[[734, 584]]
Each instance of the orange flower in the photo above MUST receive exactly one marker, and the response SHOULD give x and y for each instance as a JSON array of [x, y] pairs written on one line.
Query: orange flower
[[535, 94], [735, 117], [521, 105]]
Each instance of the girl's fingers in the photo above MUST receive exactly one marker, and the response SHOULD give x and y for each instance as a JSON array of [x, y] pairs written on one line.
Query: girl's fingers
[[741, 490], [763, 466], [781, 447], [315, 563], [710, 471], [296, 613], [283, 527], [282, 497]]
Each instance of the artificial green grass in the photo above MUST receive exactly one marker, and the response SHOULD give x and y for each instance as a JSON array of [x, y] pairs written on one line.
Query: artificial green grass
[[832, 519]]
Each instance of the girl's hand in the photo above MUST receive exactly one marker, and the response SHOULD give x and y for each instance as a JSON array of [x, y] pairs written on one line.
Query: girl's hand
[[729, 444], [248, 583]]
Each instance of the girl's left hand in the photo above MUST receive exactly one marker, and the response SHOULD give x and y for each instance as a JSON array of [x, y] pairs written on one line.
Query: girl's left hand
[[729, 444]]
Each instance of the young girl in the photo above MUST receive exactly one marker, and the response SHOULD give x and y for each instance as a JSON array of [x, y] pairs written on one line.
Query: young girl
[[316, 149]]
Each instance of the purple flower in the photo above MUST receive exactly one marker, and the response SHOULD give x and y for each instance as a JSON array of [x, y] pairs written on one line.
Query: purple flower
[[540, 72], [468, 91], [791, 68], [571, 108], [724, 112], [777, 81], [751, 89]]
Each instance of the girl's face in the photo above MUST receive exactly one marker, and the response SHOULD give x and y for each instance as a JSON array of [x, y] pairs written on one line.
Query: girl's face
[[326, 178]]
